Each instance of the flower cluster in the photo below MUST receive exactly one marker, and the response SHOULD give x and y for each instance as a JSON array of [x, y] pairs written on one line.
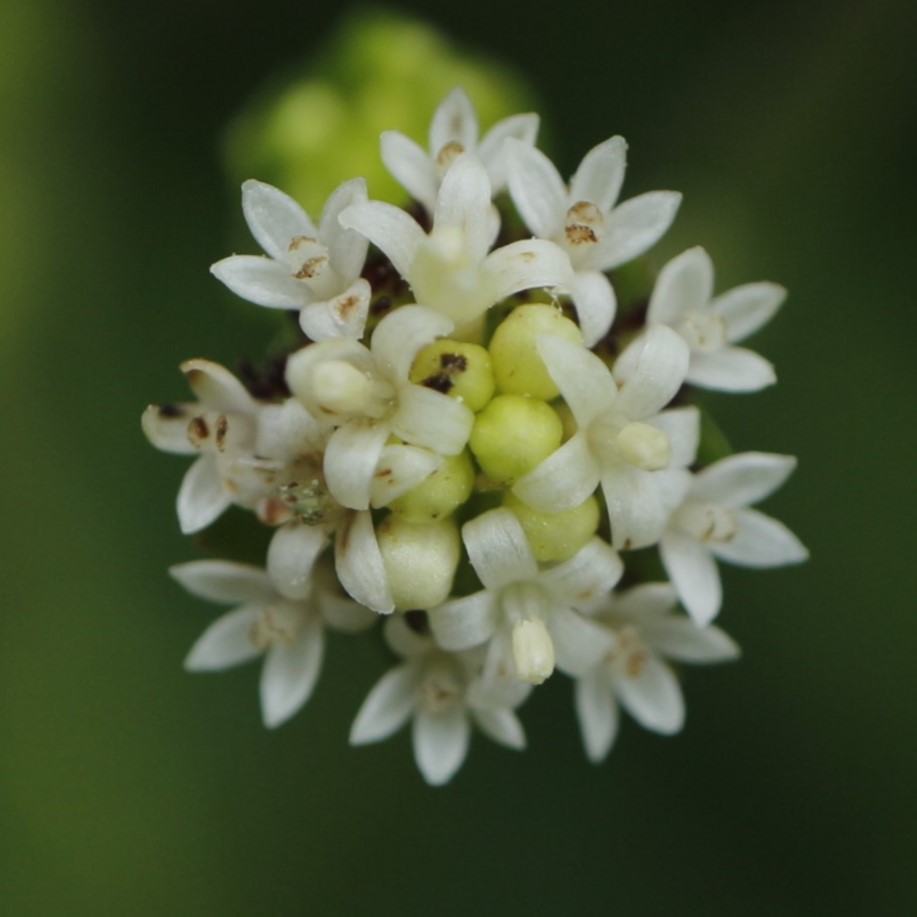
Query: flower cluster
[[471, 441]]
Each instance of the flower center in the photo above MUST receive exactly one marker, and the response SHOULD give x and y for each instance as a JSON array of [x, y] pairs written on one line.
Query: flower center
[[704, 331], [707, 521], [635, 443], [584, 224], [440, 689], [276, 625], [630, 655]]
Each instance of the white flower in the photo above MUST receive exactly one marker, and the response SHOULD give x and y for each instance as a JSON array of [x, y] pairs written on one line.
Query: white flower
[[289, 634], [450, 269], [584, 221], [634, 672], [637, 454], [682, 299], [224, 427], [366, 394], [453, 131], [437, 690], [714, 523], [315, 271], [527, 614]]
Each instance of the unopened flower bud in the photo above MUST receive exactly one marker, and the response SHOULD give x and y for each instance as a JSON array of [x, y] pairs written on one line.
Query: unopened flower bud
[[514, 434], [439, 495], [555, 536], [518, 367]]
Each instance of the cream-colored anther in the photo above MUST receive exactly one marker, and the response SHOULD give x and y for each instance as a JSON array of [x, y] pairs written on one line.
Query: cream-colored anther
[[644, 446], [533, 651], [447, 155], [341, 388], [704, 331]]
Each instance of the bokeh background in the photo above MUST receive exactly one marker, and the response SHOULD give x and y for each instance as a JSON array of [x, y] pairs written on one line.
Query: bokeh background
[[127, 786]]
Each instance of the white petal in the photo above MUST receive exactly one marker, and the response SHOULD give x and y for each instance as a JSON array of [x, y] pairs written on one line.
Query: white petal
[[166, 427], [563, 480], [654, 697], [387, 706], [579, 643], [635, 226], [227, 642], [597, 714], [650, 371], [601, 174], [431, 419], [463, 203], [359, 565], [694, 574], [402, 333], [638, 508], [502, 726], [647, 601], [454, 121], [201, 498], [760, 542], [287, 430], [403, 639], [224, 581], [342, 316], [537, 189], [525, 265], [410, 166], [684, 285], [682, 640], [440, 743], [291, 554], [584, 380], [498, 549], [346, 249], [389, 228], [351, 458], [217, 388], [595, 302], [289, 675], [261, 281], [462, 623], [591, 573], [491, 150], [274, 218], [731, 369], [682, 426], [400, 469], [743, 479], [748, 307]]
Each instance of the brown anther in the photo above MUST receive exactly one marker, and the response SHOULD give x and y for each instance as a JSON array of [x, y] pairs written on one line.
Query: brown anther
[[222, 429], [449, 153], [311, 267], [198, 431]]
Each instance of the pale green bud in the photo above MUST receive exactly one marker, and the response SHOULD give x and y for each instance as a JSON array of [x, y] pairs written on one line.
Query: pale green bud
[[514, 434], [420, 559], [556, 536], [441, 493], [457, 369], [518, 367]]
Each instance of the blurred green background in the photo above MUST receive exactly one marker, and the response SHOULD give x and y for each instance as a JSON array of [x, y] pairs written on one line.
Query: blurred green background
[[127, 786]]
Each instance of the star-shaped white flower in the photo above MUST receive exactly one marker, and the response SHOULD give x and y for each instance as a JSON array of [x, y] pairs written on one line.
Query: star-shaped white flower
[[225, 428], [715, 523], [437, 690], [452, 270], [583, 219], [453, 131], [634, 672], [288, 634], [528, 615], [315, 271], [366, 394], [682, 299], [637, 454]]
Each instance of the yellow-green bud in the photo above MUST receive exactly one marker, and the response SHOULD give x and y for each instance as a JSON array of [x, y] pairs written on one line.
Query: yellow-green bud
[[419, 560], [556, 536], [439, 495], [518, 367], [514, 434], [457, 369]]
